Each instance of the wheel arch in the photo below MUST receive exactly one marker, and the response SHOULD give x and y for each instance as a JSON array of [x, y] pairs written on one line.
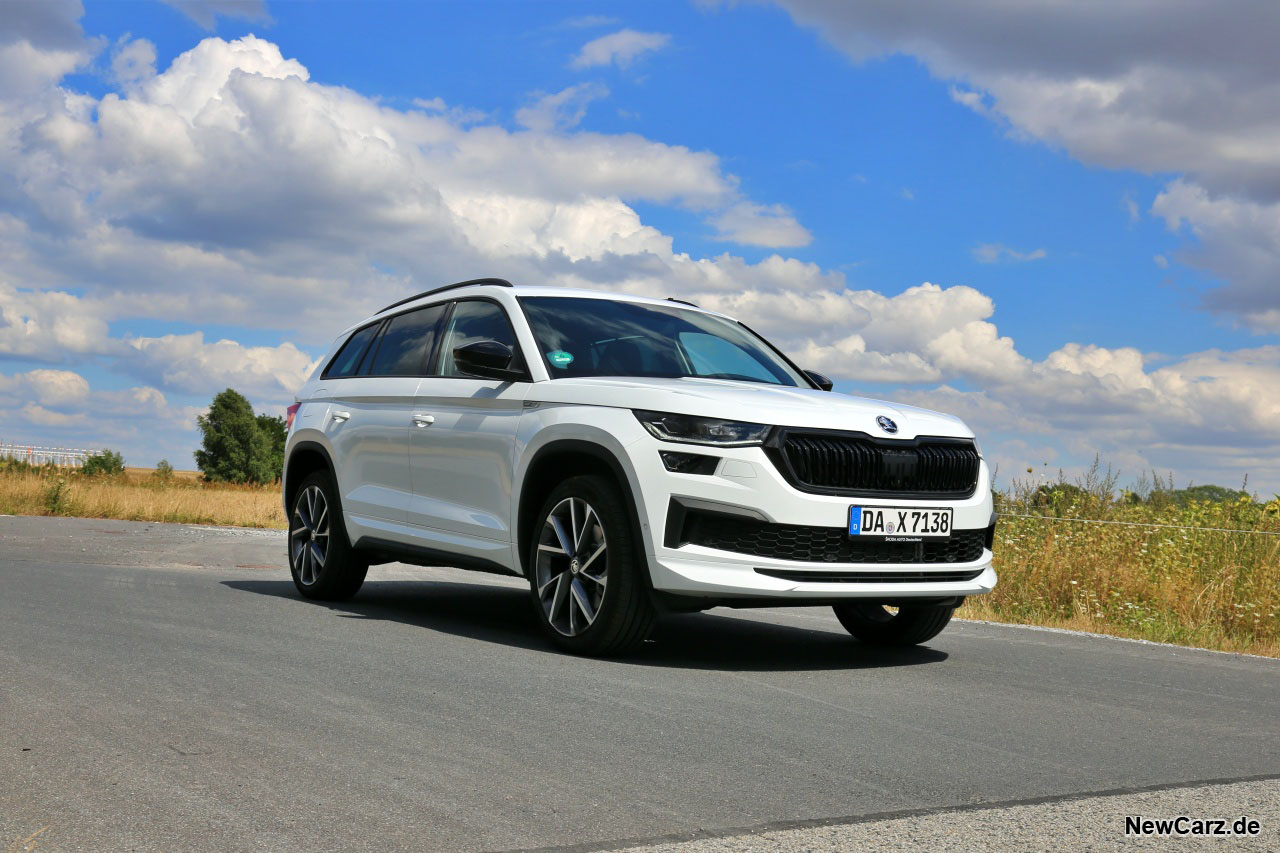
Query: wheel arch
[[557, 461], [305, 457]]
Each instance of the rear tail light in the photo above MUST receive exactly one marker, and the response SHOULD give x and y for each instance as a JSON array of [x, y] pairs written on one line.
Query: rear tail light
[[292, 412]]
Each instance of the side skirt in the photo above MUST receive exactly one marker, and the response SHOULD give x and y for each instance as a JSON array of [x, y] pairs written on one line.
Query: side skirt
[[378, 551]]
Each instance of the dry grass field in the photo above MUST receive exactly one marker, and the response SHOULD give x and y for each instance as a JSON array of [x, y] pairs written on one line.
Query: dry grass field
[[139, 495], [1197, 573]]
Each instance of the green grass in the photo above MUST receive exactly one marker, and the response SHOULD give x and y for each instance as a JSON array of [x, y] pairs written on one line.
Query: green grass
[[1197, 587]]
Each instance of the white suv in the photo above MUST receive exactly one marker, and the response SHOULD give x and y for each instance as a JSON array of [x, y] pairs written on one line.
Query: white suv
[[628, 456]]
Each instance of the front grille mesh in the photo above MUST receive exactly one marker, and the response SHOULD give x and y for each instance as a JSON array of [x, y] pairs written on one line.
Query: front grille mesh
[[808, 544], [832, 462]]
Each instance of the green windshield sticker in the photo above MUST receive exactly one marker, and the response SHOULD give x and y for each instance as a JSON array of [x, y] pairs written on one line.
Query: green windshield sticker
[[560, 358]]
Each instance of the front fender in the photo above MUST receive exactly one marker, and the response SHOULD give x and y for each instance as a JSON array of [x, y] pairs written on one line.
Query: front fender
[[604, 433]]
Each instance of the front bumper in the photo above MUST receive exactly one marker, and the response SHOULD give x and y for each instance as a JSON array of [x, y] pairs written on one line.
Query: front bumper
[[747, 482], [739, 578]]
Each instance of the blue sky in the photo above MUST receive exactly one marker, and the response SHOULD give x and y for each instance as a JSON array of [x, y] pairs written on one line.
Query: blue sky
[[837, 142], [1102, 265]]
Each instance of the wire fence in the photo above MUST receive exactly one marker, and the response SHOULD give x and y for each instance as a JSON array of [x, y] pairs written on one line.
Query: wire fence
[[63, 457], [1138, 524]]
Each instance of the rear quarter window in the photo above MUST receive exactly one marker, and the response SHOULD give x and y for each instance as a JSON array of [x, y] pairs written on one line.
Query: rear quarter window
[[347, 361]]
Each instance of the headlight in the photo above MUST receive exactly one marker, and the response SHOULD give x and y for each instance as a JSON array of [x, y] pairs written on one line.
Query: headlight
[[695, 430]]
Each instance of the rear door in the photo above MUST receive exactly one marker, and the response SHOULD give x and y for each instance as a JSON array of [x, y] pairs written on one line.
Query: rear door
[[462, 448], [369, 417]]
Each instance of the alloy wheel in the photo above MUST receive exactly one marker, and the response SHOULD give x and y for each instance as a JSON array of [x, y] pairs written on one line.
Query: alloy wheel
[[309, 539], [572, 566]]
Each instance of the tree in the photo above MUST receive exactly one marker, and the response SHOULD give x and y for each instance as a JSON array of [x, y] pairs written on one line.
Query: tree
[[105, 461], [235, 449], [1208, 492], [1059, 495], [273, 427], [163, 472]]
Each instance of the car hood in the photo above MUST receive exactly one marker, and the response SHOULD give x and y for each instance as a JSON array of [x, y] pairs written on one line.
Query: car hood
[[750, 401]]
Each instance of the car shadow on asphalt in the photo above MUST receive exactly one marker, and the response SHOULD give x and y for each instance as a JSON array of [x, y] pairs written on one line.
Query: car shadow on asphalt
[[503, 615]]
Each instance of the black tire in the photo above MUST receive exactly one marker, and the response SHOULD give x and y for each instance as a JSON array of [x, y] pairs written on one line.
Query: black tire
[[871, 623], [323, 563], [623, 610]]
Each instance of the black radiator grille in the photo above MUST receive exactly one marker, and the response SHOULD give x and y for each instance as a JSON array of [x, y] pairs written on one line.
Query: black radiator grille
[[837, 463], [821, 544]]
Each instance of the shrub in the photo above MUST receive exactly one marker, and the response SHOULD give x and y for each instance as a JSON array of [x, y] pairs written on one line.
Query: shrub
[[103, 463], [163, 472], [55, 496]]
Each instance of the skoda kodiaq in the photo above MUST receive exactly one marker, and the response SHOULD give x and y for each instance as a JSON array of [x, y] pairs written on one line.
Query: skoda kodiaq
[[628, 456]]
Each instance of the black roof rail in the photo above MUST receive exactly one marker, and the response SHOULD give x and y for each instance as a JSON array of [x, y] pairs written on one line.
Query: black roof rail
[[496, 282], [682, 302]]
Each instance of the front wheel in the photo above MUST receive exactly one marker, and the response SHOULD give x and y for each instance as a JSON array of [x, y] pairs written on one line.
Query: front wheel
[[321, 559], [872, 622], [585, 570]]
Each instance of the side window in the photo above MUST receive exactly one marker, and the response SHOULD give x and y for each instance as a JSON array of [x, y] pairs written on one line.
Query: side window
[[406, 343], [348, 357], [713, 356], [476, 320]]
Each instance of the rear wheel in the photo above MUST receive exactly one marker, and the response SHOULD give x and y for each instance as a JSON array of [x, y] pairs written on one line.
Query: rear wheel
[[585, 570], [875, 623], [321, 559]]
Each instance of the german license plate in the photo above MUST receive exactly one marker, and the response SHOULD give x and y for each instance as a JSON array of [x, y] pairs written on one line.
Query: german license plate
[[899, 523]]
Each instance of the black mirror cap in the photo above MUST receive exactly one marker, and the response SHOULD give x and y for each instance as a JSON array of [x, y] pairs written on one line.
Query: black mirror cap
[[487, 360], [818, 379]]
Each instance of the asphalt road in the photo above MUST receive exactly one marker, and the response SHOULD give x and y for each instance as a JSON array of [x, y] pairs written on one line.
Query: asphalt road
[[163, 687]]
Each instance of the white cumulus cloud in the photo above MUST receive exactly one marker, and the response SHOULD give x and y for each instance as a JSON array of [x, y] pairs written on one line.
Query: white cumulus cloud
[[560, 110], [620, 48], [762, 225]]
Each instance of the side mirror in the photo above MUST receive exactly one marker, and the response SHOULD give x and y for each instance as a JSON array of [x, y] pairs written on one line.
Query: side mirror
[[818, 379], [487, 360]]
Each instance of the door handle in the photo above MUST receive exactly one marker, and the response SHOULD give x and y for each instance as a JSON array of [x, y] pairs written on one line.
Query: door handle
[[341, 416], [423, 420]]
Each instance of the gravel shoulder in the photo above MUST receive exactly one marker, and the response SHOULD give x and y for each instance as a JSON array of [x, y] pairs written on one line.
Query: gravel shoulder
[[1078, 822]]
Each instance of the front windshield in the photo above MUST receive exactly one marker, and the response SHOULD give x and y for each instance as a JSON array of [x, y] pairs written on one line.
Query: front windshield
[[604, 337]]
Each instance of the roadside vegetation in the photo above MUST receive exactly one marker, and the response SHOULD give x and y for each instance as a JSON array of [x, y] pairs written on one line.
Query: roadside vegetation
[[1089, 561]]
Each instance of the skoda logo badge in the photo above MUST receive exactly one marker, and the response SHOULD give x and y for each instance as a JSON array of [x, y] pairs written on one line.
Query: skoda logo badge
[[886, 424]]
